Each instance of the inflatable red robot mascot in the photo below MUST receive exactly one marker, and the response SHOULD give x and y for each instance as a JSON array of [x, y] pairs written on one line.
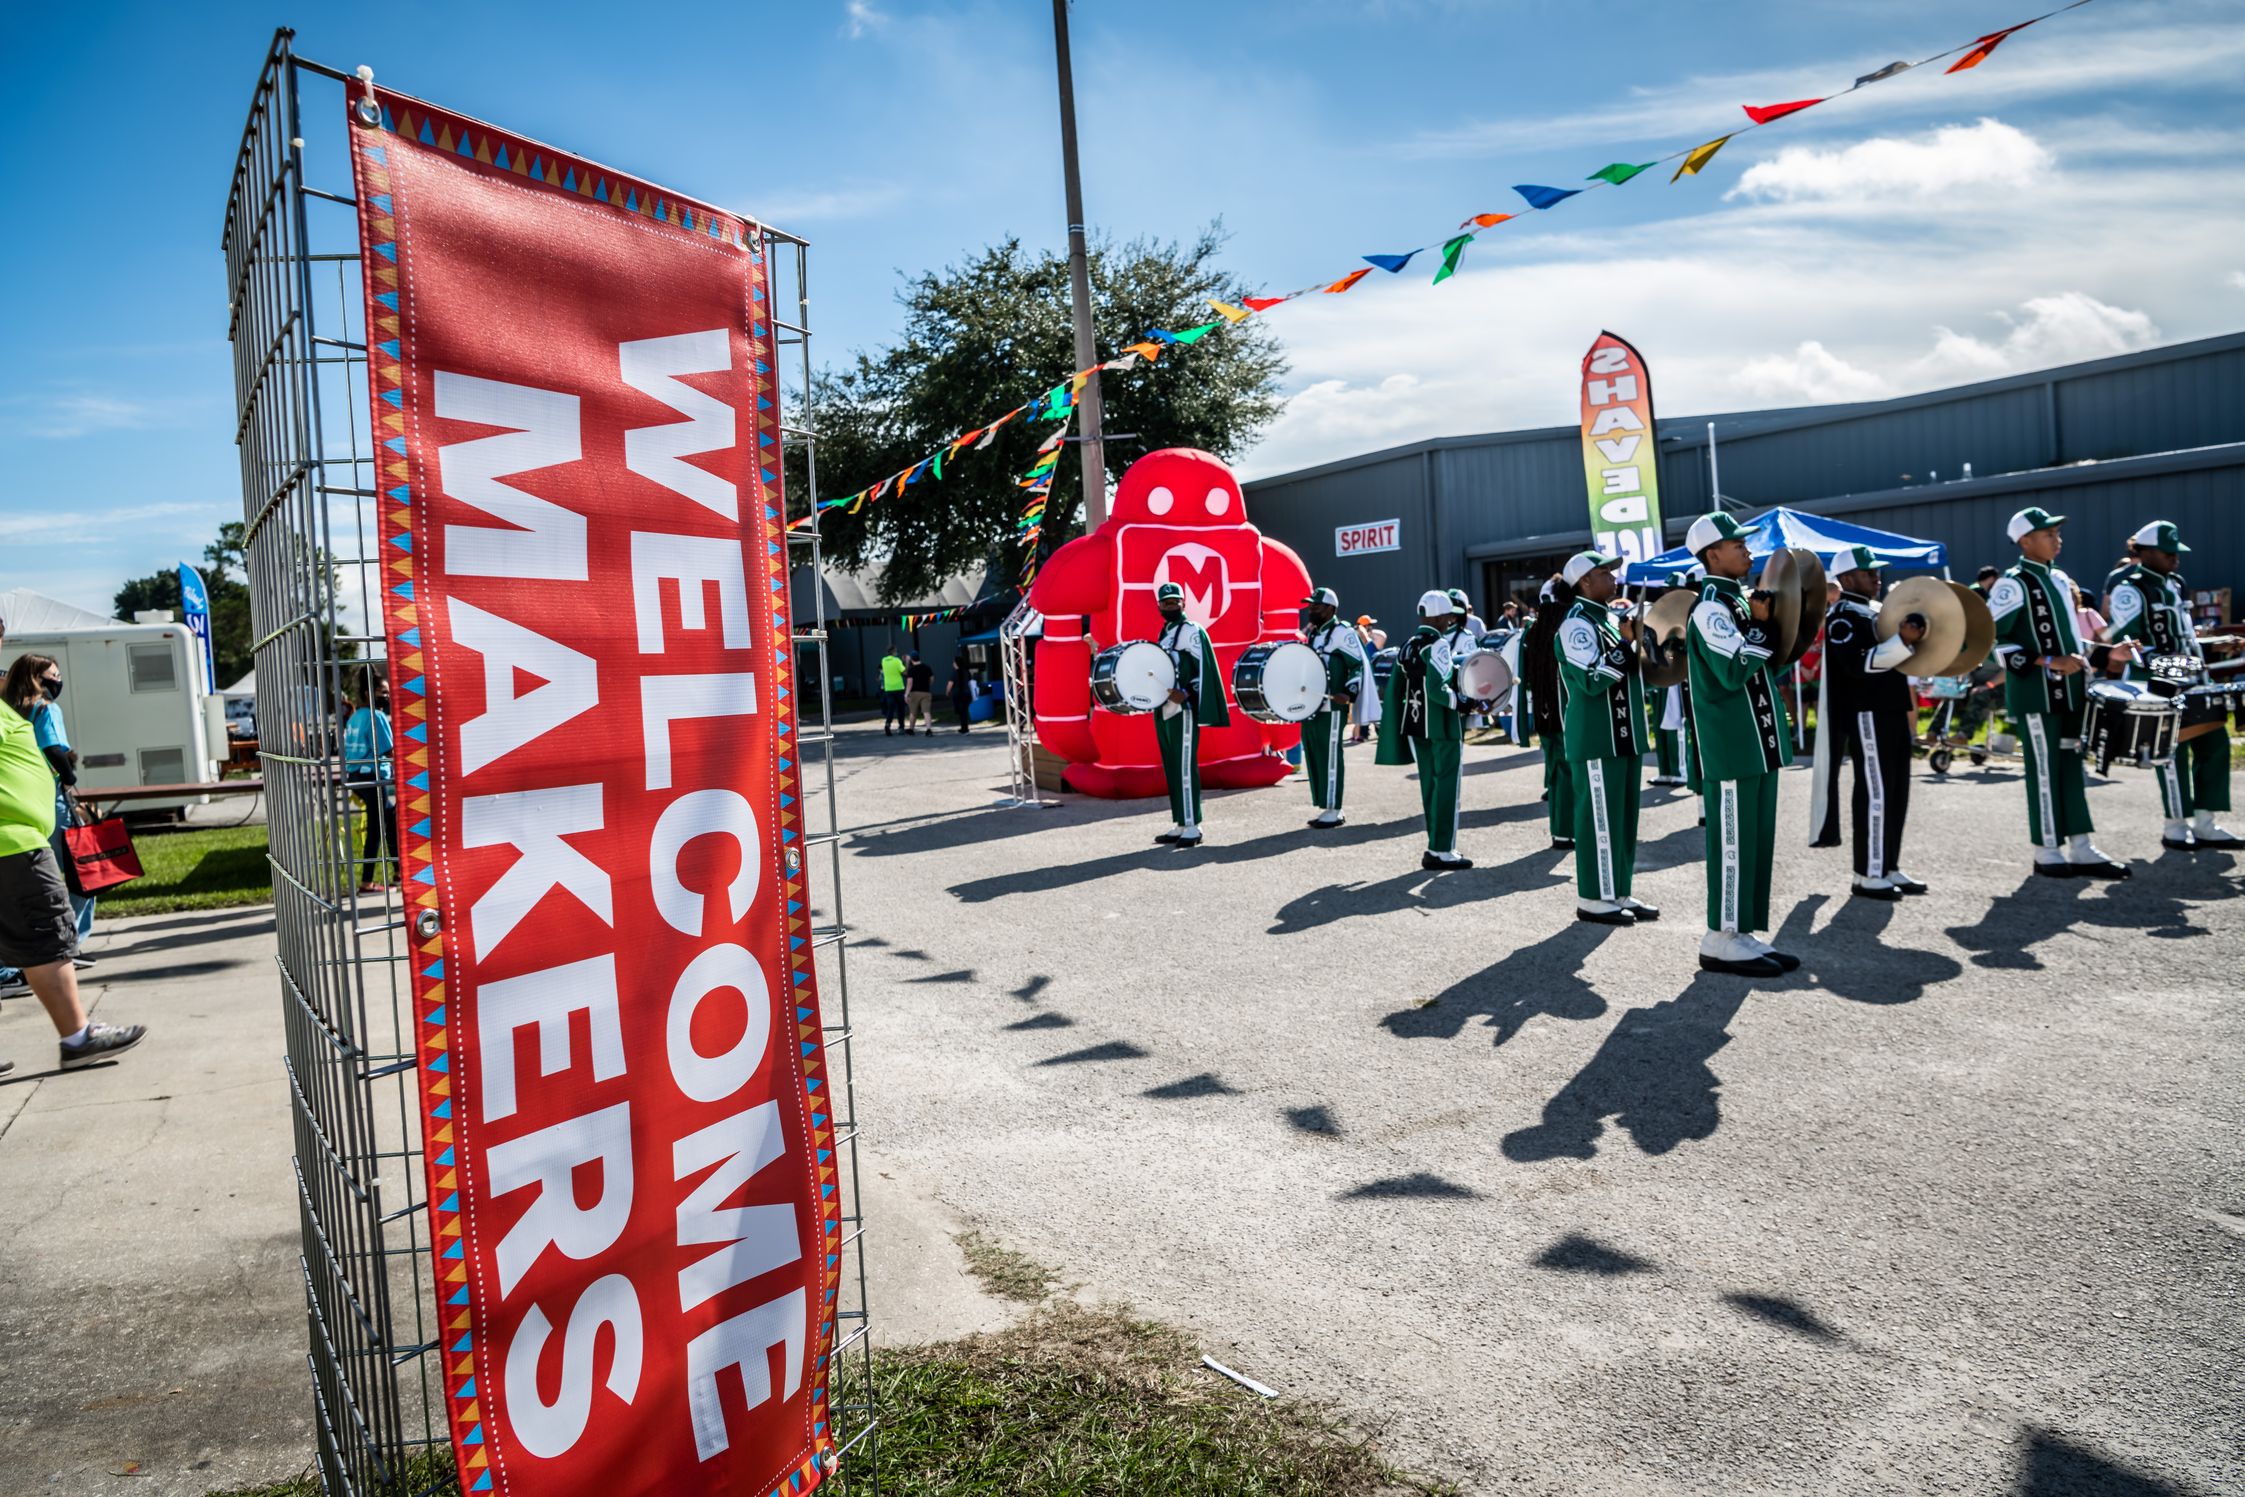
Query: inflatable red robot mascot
[[1178, 517]]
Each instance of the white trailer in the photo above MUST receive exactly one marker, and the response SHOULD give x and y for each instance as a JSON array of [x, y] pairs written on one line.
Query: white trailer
[[134, 698]]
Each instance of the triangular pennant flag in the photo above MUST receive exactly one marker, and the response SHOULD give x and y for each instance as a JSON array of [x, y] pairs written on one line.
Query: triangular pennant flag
[[1544, 197], [1195, 334], [1883, 74], [1762, 114], [1450, 253], [1618, 173], [1262, 303], [1151, 350], [1487, 220], [1981, 48], [1699, 157], [1228, 312], [1346, 281], [1392, 264]]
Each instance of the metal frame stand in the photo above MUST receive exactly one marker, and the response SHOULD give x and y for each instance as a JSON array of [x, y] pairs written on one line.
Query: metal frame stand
[[1021, 721], [295, 320]]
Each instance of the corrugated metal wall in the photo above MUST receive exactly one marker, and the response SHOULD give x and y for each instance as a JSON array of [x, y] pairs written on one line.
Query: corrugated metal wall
[[1892, 464]]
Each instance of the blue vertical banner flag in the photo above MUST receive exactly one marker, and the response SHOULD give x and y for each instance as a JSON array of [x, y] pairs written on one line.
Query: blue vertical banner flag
[[194, 606]]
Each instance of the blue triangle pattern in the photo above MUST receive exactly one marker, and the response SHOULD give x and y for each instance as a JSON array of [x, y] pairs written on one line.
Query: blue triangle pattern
[[434, 971], [402, 542], [427, 875], [396, 445], [375, 153], [801, 1014], [420, 781], [483, 1483], [419, 732], [441, 1064], [453, 1251], [460, 1297], [395, 397], [468, 1388], [427, 136], [390, 347], [388, 299], [462, 148], [436, 1017], [444, 1109], [452, 1203], [401, 493], [404, 589], [421, 827], [388, 252], [419, 686], [475, 1435], [412, 637], [500, 161]]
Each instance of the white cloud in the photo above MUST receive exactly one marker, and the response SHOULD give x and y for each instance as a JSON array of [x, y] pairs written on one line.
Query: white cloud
[[2074, 54], [1989, 154], [1811, 374], [2237, 279], [785, 210], [2062, 329], [61, 415], [864, 19]]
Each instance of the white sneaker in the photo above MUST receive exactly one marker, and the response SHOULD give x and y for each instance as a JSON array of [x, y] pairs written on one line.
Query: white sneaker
[[1877, 888], [2208, 833], [1604, 912]]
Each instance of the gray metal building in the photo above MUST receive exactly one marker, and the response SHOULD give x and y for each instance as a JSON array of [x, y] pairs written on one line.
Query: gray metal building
[[2111, 444]]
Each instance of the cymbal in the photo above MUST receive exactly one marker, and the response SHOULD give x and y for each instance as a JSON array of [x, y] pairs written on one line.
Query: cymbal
[[1979, 631], [1944, 624], [1660, 636], [1814, 600], [1781, 579]]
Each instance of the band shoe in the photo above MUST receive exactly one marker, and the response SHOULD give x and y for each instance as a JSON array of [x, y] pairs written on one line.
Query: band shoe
[[1599, 912], [1786, 961], [1169, 836], [1905, 883], [1562, 844], [2054, 870], [2104, 868], [1320, 824], [1435, 863], [1639, 908], [1185, 843], [2184, 843], [2212, 835], [1880, 889], [1728, 952]]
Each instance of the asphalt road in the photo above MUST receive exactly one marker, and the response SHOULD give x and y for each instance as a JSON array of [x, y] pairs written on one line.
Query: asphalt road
[[1956, 1209]]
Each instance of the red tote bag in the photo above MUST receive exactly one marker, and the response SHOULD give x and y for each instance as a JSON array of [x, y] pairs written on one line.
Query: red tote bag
[[101, 854]]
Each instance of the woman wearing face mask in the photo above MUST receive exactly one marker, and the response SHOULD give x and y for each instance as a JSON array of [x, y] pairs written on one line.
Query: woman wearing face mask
[[34, 690], [367, 764]]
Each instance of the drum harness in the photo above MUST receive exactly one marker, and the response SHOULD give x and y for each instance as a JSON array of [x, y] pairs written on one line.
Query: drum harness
[[1172, 631]]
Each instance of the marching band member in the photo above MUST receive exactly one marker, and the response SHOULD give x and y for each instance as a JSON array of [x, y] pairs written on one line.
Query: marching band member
[[1464, 637], [1420, 723], [1672, 722], [1602, 699], [1866, 713], [1742, 739], [1539, 667], [2151, 605], [1348, 677], [1195, 702], [2044, 696]]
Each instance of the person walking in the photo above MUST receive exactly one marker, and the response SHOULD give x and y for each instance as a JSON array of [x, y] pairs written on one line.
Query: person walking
[[919, 697], [1420, 724], [38, 931], [961, 690], [1742, 739], [892, 692], [1602, 699], [368, 768]]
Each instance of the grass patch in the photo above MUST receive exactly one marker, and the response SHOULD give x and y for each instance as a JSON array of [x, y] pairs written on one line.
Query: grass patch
[[1004, 1272], [428, 1474], [204, 868], [1098, 1403]]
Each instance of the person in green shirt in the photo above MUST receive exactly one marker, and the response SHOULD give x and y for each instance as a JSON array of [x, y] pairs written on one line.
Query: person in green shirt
[[1197, 701], [2044, 695], [1348, 676], [38, 929], [1602, 701], [1741, 738], [1420, 723], [892, 693], [2151, 606]]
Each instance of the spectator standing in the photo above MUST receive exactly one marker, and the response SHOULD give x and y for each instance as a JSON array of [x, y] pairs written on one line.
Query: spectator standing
[[892, 692], [54, 742], [369, 765], [961, 689], [38, 932]]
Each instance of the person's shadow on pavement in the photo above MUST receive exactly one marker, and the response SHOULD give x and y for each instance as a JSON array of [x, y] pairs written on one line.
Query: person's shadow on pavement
[[1545, 978]]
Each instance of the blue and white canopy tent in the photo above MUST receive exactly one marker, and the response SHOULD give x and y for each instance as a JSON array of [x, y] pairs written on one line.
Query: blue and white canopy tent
[[1776, 529]]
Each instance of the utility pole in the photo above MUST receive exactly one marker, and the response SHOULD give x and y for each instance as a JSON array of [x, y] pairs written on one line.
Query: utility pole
[[1714, 473], [1079, 282]]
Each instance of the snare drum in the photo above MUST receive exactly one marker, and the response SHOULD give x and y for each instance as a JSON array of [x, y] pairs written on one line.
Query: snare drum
[[1280, 682], [1483, 675], [2128, 724], [2206, 709], [1134, 676]]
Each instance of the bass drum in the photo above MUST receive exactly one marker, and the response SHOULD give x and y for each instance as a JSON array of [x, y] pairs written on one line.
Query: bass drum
[[1280, 682], [1134, 676], [1484, 676]]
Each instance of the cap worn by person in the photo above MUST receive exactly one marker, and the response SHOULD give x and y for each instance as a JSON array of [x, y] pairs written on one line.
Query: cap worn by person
[[1460, 601], [1583, 563], [2034, 517], [1713, 530], [1325, 595], [1433, 603], [1169, 592], [2159, 535], [1365, 621], [1857, 559]]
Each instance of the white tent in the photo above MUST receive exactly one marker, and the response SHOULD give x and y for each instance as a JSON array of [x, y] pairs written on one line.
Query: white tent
[[27, 612], [246, 687]]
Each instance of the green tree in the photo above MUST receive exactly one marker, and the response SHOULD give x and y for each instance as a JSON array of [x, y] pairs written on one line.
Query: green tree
[[981, 338], [223, 578]]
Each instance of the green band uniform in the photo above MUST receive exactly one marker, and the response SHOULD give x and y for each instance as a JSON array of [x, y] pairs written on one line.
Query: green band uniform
[[1177, 725], [2033, 606], [1740, 739], [1420, 723], [1602, 704]]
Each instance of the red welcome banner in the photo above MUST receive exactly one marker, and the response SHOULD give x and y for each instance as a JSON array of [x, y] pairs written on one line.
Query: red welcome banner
[[629, 1144]]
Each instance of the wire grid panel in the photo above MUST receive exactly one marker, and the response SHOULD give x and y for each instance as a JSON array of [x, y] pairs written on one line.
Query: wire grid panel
[[296, 310]]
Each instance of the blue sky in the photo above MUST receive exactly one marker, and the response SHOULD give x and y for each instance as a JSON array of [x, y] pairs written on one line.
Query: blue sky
[[2077, 195]]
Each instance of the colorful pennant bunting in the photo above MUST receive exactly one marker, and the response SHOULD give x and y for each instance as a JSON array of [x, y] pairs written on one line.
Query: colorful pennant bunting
[[1544, 197], [1487, 220], [1450, 253], [1698, 157], [1762, 114], [1616, 174], [1981, 48], [1392, 264]]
